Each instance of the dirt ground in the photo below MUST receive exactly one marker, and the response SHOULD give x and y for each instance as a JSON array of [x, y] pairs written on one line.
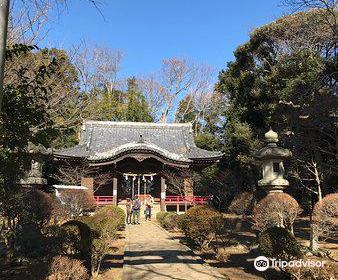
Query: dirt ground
[[239, 265], [112, 265], [111, 268]]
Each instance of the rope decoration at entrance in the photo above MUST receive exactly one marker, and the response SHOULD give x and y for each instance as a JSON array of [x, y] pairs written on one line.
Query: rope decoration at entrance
[[130, 186]]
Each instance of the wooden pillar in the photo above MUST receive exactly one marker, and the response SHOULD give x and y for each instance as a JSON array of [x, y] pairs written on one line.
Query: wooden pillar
[[88, 182], [115, 191], [139, 186], [163, 195]]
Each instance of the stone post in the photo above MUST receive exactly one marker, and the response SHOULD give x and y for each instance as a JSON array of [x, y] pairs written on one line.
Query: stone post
[[115, 191], [163, 194]]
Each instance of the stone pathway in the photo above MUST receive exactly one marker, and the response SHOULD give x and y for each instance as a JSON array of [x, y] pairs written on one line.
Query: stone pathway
[[150, 253]]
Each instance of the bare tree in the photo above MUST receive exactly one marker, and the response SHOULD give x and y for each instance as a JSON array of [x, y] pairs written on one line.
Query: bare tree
[[153, 90], [107, 65], [180, 181], [27, 20], [70, 174], [98, 66], [73, 203], [31, 20], [320, 30], [311, 179], [176, 78]]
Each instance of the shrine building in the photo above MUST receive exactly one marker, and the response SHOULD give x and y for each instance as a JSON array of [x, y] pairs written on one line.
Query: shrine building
[[137, 156]]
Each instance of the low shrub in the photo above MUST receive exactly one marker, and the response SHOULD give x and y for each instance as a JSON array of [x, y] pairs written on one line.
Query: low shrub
[[160, 216], [324, 219], [326, 272], [277, 210], [242, 204], [38, 209], [201, 224], [74, 203], [30, 241], [103, 229], [63, 268], [114, 212], [171, 221], [279, 243], [222, 255], [76, 238]]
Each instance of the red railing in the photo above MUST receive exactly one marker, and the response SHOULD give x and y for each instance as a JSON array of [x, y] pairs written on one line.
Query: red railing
[[104, 200], [175, 199]]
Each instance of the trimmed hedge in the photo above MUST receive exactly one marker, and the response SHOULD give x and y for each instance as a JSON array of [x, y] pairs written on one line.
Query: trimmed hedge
[[201, 224], [171, 221], [278, 242], [160, 216], [114, 212], [76, 238]]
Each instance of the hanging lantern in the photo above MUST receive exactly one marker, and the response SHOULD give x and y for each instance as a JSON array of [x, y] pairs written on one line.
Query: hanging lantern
[[126, 177], [134, 178], [143, 178], [151, 177]]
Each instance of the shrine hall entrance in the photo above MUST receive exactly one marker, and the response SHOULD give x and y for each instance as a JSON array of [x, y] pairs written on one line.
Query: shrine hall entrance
[[139, 176], [133, 177]]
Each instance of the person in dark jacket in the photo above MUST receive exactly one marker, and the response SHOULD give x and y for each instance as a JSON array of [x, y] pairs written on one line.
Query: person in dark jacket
[[136, 211], [147, 212]]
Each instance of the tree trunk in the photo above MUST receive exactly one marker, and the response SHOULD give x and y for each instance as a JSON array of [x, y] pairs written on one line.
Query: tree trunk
[[313, 237]]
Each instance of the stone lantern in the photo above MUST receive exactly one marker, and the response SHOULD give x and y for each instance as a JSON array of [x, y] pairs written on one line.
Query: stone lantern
[[34, 178], [271, 159]]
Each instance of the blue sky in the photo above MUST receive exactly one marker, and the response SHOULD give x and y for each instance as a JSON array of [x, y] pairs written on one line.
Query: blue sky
[[148, 31]]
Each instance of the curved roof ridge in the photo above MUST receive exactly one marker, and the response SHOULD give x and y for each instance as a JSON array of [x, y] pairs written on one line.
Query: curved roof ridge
[[148, 124], [146, 145]]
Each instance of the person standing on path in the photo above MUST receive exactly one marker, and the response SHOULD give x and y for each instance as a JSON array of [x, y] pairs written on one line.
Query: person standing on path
[[136, 211], [129, 211], [147, 212]]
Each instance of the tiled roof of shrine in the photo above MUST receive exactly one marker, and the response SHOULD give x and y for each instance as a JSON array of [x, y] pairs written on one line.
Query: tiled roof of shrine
[[105, 140]]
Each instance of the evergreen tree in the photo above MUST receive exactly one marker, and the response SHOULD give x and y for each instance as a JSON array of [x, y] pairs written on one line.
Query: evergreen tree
[[280, 79]]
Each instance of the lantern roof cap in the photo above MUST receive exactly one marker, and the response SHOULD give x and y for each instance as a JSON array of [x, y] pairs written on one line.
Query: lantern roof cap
[[271, 150]]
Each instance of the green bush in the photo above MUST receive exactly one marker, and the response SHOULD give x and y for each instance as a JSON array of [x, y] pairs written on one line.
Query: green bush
[[160, 216], [201, 224], [171, 221], [76, 238], [114, 212], [30, 242], [279, 243], [103, 229]]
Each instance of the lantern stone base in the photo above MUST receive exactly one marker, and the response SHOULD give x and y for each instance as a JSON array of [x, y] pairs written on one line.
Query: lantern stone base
[[273, 189]]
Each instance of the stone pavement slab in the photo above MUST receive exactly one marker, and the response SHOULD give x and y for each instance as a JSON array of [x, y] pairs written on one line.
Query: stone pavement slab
[[150, 253]]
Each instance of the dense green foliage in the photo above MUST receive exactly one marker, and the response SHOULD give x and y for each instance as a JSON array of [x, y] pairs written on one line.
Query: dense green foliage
[[114, 212], [281, 80], [171, 221], [160, 216], [201, 224], [279, 243], [75, 238]]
